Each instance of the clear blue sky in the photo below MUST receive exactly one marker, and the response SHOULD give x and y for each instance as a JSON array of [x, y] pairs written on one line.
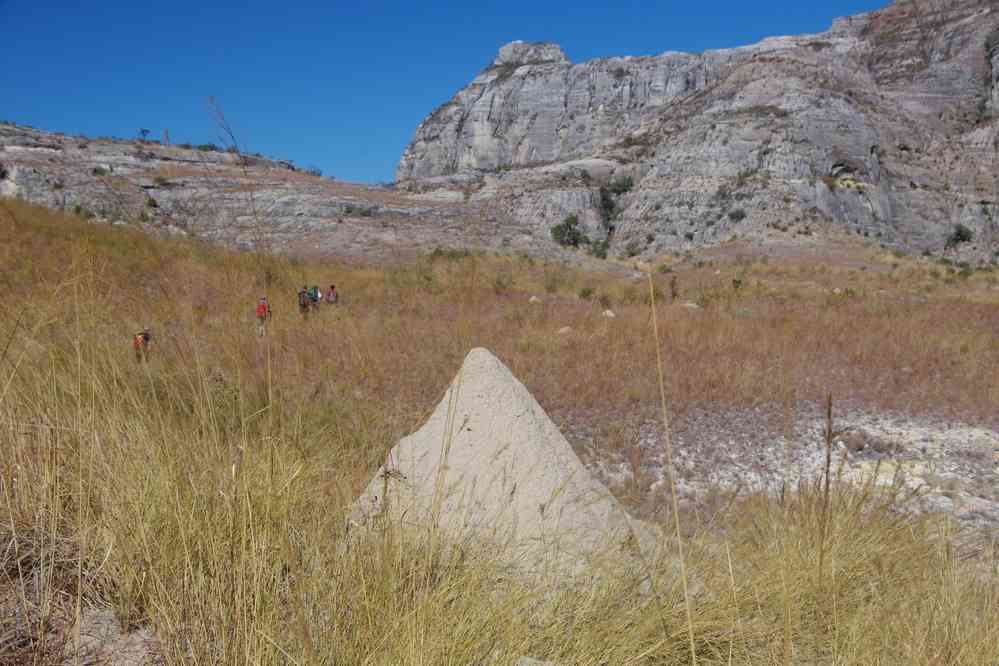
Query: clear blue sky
[[338, 85]]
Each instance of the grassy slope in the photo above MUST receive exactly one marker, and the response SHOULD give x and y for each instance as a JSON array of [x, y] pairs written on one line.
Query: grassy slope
[[203, 493]]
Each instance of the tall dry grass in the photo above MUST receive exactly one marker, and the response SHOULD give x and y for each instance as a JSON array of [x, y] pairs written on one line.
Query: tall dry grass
[[203, 494]]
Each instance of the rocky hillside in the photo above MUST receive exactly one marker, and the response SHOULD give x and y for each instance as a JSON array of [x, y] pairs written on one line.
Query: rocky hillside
[[240, 200], [884, 125]]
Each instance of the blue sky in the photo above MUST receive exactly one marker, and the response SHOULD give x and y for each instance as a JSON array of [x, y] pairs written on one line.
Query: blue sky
[[336, 85]]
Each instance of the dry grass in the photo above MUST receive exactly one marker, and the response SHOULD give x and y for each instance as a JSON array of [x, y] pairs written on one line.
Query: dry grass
[[203, 493]]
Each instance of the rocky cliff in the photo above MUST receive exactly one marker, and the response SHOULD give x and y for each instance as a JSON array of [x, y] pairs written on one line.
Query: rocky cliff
[[883, 125]]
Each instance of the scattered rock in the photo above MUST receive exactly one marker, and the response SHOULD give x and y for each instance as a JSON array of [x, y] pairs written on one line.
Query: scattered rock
[[565, 330], [534, 300], [102, 642], [608, 314], [691, 305]]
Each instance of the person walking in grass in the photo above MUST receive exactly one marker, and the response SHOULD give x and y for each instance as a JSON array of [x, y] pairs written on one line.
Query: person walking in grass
[[332, 296], [304, 302], [140, 344], [263, 314]]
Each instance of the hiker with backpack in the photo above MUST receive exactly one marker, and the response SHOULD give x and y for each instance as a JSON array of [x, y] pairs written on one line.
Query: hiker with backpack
[[263, 314], [304, 302], [332, 296], [140, 343], [315, 296]]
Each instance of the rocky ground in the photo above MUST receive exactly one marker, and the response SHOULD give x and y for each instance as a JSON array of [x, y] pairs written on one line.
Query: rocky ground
[[952, 467]]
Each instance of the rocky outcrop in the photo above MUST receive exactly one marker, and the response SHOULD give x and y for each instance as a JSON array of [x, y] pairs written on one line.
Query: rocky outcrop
[[877, 126], [244, 201]]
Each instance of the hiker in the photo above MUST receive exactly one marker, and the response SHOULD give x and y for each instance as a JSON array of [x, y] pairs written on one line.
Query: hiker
[[263, 314], [331, 296], [140, 343], [674, 290], [304, 302]]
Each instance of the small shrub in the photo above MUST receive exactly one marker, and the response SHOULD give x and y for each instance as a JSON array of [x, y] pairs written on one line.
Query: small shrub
[[314, 171], [83, 212], [608, 206], [449, 254], [621, 186], [568, 234], [3, 172], [665, 269], [961, 234], [744, 177], [586, 293], [208, 148], [502, 282], [152, 203], [605, 301], [737, 215], [100, 171], [160, 181], [599, 249], [650, 239], [633, 249]]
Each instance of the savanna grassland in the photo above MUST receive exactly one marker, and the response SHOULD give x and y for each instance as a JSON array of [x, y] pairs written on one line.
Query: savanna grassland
[[202, 495]]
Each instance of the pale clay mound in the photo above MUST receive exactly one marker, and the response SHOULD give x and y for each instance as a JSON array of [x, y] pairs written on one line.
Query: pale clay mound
[[509, 477]]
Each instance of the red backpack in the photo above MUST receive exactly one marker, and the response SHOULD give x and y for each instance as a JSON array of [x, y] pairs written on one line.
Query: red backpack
[[261, 310]]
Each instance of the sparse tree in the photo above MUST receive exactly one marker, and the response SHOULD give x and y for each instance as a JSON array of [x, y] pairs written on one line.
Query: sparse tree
[[143, 134]]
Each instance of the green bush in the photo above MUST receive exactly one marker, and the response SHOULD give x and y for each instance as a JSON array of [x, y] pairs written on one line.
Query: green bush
[[633, 249], [586, 293], [599, 249], [961, 234], [449, 253], [80, 211], [568, 234], [100, 171], [621, 185], [608, 207]]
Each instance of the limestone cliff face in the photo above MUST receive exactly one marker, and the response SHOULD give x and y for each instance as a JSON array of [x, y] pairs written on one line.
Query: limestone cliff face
[[880, 124]]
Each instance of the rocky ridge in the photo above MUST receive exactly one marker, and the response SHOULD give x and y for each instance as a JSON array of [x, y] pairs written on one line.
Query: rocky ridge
[[243, 201], [884, 125]]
